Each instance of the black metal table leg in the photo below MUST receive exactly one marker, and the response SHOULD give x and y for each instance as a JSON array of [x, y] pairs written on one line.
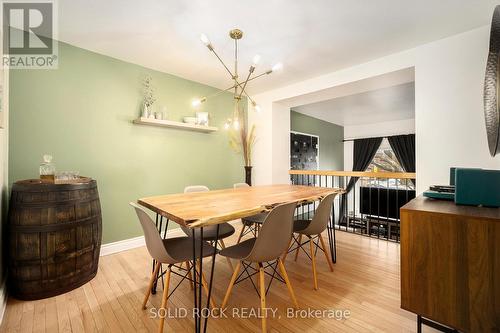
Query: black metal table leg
[[334, 252], [195, 277], [198, 306], [158, 220], [211, 277], [330, 228]]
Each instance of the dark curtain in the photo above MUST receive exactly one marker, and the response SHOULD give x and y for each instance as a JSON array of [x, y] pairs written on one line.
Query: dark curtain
[[404, 149], [364, 151]]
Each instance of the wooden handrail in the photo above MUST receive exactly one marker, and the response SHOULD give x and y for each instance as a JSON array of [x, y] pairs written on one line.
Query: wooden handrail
[[387, 175]]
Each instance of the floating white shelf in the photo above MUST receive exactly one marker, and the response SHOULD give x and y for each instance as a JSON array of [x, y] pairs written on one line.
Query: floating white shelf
[[175, 124]]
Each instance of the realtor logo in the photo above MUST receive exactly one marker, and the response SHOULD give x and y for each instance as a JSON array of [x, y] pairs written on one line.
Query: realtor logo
[[28, 34]]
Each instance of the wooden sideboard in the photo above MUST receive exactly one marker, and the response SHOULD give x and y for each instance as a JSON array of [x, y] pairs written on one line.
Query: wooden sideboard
[[450, 264]]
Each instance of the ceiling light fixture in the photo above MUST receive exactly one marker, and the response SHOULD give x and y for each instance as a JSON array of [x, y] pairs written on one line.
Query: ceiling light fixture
[[238, 87]]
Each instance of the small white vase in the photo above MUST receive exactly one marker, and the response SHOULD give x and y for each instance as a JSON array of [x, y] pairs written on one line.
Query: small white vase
[[145, 111]]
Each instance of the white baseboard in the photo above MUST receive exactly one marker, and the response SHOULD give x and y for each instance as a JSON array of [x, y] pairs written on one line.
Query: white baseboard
[[132, 243]]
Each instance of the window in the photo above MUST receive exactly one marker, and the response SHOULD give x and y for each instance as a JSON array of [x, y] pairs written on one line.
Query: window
[[386, 161]]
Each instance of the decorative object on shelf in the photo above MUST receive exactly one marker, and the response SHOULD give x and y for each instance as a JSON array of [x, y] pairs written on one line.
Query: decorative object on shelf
[[241, 141], [239, 87], [202, 118], [148, 97], [491, 87], [54, 243], [176, 124], [159, 115], [162, 112], [47, 168]]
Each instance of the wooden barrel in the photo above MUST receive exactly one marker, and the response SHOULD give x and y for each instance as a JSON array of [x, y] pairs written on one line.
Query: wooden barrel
[[54, 237]]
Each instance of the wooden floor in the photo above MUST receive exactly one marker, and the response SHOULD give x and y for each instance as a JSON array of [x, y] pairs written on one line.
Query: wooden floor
[[365, 282]]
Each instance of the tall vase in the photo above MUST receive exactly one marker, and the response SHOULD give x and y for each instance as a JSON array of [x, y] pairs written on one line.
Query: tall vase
[[248, 175]]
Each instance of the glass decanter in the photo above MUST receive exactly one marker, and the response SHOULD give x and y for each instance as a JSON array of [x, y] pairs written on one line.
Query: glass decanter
[[47, 168]]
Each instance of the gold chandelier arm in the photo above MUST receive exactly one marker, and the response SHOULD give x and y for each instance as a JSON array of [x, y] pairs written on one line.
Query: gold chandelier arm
[[260, 75], [245, 84], [220, 92], [244, 92], [222, 62]]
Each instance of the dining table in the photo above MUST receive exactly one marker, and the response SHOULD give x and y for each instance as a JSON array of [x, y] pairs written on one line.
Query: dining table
[[201, 209]]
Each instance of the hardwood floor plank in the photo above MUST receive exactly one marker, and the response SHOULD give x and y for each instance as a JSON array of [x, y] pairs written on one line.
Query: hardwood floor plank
[[365, 282], [39, 317], [62, 314]]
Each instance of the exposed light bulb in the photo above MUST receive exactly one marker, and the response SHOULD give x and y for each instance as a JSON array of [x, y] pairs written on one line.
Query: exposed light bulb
[[236, 124], [257, 108], [197, 102], [256, 59], [204, 39], [226, 126], [277, 67]]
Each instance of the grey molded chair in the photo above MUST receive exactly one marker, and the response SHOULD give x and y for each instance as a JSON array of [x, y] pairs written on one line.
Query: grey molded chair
[[312, 229], [251, 224], [170, 251], [271, 243], [209, 232]]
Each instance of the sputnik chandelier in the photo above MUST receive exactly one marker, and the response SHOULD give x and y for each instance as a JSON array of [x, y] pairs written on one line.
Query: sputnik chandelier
[[239, 87]]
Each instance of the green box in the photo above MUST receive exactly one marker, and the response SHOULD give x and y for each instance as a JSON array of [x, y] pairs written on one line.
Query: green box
[[477, 187]]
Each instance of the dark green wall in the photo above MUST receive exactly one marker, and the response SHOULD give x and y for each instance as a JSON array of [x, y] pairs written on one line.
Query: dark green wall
[[82, 114], [331, 147]]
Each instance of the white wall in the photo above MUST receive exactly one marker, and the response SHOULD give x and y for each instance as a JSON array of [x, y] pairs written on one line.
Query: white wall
[[449, 107], [449, 121], [272, 151], [386, 128]]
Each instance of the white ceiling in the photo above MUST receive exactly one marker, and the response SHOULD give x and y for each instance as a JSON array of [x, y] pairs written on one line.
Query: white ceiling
[[387, 104], [310, 38]]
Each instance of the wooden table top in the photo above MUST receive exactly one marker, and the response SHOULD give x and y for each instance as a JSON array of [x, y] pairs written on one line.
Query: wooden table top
[[205, 208]]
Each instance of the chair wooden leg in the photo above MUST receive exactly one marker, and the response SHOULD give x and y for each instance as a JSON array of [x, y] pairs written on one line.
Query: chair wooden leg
[[231, 284], [241, 233], [205, 286], [327, 255], [287, 249], [288, 284], [313, 259], [190, 276], [262, 287], [164, 300], [222, 245], [298, 248], [151, 283]]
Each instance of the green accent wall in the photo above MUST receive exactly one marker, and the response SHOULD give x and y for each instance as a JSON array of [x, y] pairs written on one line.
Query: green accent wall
[[82, 114], [331, 147]]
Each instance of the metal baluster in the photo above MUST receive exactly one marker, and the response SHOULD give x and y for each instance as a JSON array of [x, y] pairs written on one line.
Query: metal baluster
[[378, 207], [397, 206], [354, 207], [368, 222], [387, 227]]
